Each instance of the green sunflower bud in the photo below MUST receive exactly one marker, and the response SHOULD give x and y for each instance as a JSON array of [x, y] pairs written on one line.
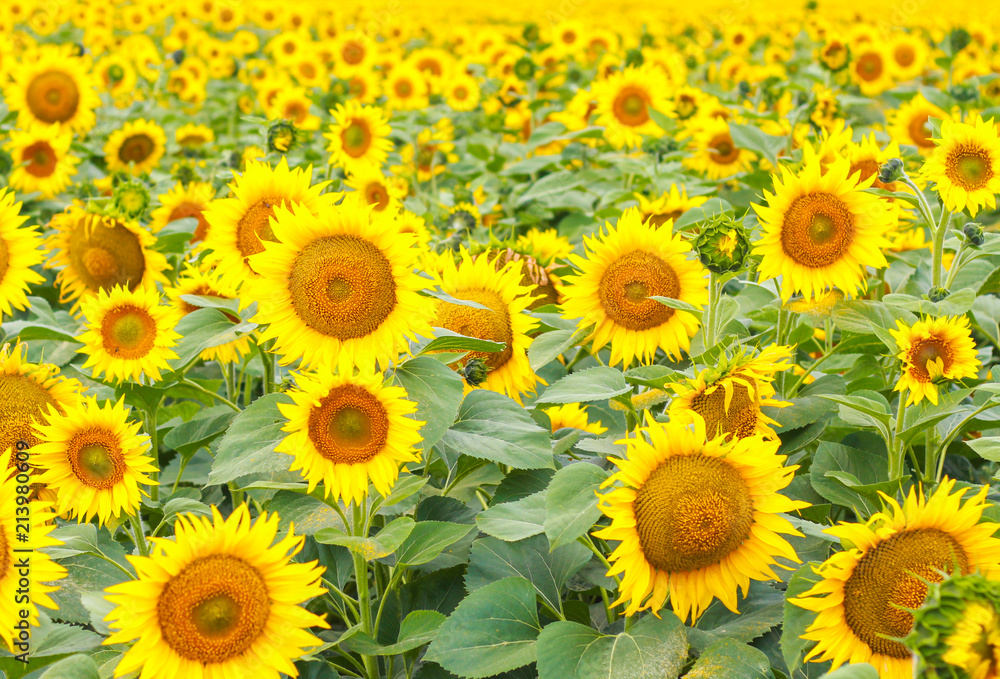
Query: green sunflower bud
[[959, 39], [525, 68], [974, 233], [891, 171], [936, 294], [130, 200], [116, 73], [281, 136], [722, 244], [474, 372]]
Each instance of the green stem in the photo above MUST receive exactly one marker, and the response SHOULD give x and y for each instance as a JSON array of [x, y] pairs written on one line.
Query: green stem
[[149, 418], [397, 573], [942, 449], [956, 264], [922, 203], [588, 543], [581, 353], [268, 360], [938, 249], [812, 368], [209, 392], [897, 449], [348, 600], [364, 600], [140, 537], [709, 313]]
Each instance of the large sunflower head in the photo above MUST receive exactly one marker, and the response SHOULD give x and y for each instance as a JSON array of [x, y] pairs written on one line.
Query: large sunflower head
[[128, 335], [206, 283], [182, 201], [820, 230], [93, 458], [137, 147], [965, 166], [359, 136], [867, 589], [221, 599], [624, 103], [42, 160], [696, 520], [52, 86], [19, 252], [339, 286], [623, 268], [934, 350], [728, 398]]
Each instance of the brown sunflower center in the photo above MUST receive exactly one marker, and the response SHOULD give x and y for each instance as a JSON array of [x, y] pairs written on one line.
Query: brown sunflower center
[[214, 609], [869, 66], [928, 350], [628, 283], [356, 138], [353, 53], [493, 323], [128, 332], [904, 55], [741, 417], [40, 159], [349, 426], [104, 256], [255, 226], [461, 93], [403, 88], [869, 167], [692, 512], [376, 194], [342, 286], [817, 230], [5, 553], [890, 576], [722, 150], [969, 167], [136, 148], [22, 400], [53, 96], [96, 459], [920, 133], [631, 106], [189, 209], [686, 106]]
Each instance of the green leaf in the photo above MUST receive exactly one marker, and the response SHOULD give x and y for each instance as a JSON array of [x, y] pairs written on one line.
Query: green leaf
[[679, 305], [187, 437], [987, 447], [751, 137], [428, 539], [513, 521], [77, 666], [493, 630], [654, 647], [571, 502], [380, 545], [594, 384], [492, 427], [760, 610], [446, 340], [863, 466], [868, 317], [309, 515], [955, 304], [548, 346], [858, 671], [184, 505], [437, 390], [417, 629], [550, 185], [248, 445], [206, 328], [728, 659]]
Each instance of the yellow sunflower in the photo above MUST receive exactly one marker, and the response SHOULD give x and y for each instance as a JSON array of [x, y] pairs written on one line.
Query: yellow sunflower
[[97, 253], [128, 334], [206, 283], [52, 86], [695, 520], [501, 290], [349, 431], [19, 251], [93, 458], [338, 286], [184, 201], [908, 123], [728, 398], [624, 103], [405, 88], [239, 225], [934, 350], [220, 599], [359, 136], [884, 570], [546, 245], [15, 524], [193, 136], [909, 55], [821, 230], [965, 166], [872, 69], [137, 147], [714, 153], [462, 92], [623, 268], [42, 160], [377, 189], [667, 206], [573, 415]]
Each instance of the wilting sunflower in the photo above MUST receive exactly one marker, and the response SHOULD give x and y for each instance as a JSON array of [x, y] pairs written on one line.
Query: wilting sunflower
[[137, 147], [128, 334], [378, 190], [966, 165], [239, 225], [728, 398], [884, 569], [821, 230], [696, 519], [206, 283], [338, 285], [19, 251], [624, 103], [184, 201], [98, 253], [714, 152], [221, 599], [573, 415], [502, 291], [347, 431], [623, 268], [41, 569], [667, 206], [359, 136], [93, 458], [932, 351], [53, 86], [908, 123], [41, 159]]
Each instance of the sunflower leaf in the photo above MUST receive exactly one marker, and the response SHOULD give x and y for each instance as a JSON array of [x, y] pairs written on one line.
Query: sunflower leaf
[[593, 384], [729, 659], [679, 305], [571, 502]]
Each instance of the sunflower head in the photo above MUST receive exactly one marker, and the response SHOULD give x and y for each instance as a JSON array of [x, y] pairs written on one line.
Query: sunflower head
[[933, 351], [130, 200], [722, 244], [965, 166]]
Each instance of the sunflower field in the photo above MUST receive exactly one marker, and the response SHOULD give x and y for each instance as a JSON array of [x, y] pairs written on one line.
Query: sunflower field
[[446, 339]]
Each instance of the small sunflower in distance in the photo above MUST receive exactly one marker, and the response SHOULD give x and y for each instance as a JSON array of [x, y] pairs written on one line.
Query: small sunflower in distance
[[359, 136], [696, 520], [181, 202], [623, 268], [222, 599], [347, 431], [865, 591], [42, 160], [137, 147], [820, 230], [965, 166], [129, 335], [206, 283], [573, 415], [624, 103], [728, 398], [94, 459], [19, 252], [934, 350]]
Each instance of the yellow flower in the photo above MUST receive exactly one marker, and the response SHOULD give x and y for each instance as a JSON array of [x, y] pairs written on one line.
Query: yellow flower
[[668, 206], [573, 415], [965, 166], [377, 189], [405, 88], [359, 136], [974, 646], [624, 102], [19, 252], [182, 202], [206, 283], [908, 124], [42, 160], [871, 68], [137, 147], [51, 86], [713, 151], [192, 136], [933, 350], [546, 245]]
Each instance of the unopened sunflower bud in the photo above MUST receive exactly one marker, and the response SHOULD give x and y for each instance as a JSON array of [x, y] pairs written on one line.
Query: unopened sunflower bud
[[722, 245], [116, 73], [959, 39], [936, 294], [964, 92], [474, 372], [891, 171], [130, 200], [525, 68], [974, 233], [281, 136]]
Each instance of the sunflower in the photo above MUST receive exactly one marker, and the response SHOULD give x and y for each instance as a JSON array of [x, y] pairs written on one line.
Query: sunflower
[[432, 152], [934, 350], [462, 92], [696, 520], [502, 291], [52, 86], [338, 285], [667, 206], [377, 189], [239, 225], [714, 153], [184, 201], [93, 458], [909, 55], [866, 589], [821, 230], [293, 104], [728, 398], [98, 253], [206, 283], [872, 69], [42, 160], [908, 123], [137, 147], [19, 251], [193, 136], [359, 136], [405, 88], [573, 415], [354, 51], [624, 103], [128, 334], [349, 431], [35, 525], [965, 166], [546, 245], [220, 599], [622, 270]]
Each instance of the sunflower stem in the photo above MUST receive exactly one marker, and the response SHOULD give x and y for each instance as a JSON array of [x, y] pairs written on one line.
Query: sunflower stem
[[938, 252], [140, 537], [149, 420], [267, 359], [709, 314], [897, 450], [364, 600], [924, 206], [812, 368], [956, 264], [943, 447], [209, 392]]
